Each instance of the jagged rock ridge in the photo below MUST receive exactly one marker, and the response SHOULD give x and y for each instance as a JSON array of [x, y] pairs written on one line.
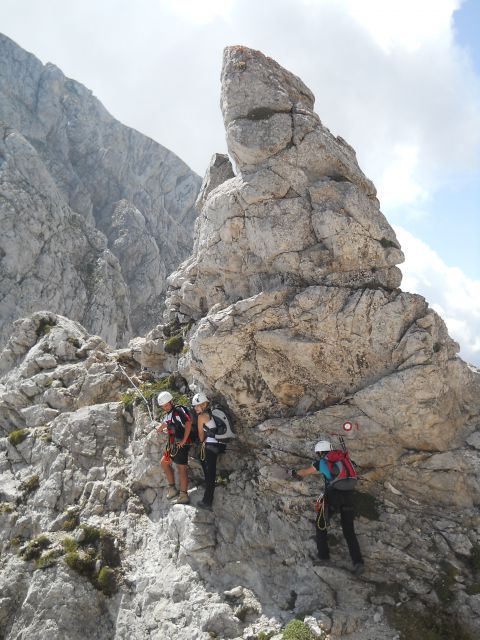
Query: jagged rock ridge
[[95, 214]]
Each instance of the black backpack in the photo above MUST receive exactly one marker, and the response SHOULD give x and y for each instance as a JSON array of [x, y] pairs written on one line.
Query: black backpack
[[194, 430], [179, 425]]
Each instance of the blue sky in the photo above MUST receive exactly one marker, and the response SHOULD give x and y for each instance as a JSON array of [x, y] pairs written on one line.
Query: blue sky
[[398, 79], [450, 223]]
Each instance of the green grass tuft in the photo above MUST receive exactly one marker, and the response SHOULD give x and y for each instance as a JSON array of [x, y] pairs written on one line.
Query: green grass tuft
[[69, 545], [107, 581], [71, 523], [81, 562], [35, 547], [30, 485], [297, 630], [18, 436], [92, 534], [48, 559], [150, 391], [174, 345], [45, 326]]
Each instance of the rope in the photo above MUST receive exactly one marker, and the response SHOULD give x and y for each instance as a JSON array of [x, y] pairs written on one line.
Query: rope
[[172, 449], [136, 389], [321, 522], [201, 453]]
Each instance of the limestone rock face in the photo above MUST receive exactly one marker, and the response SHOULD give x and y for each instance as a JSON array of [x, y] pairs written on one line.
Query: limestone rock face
[[70, 174], [300, 322], [75, 477], [293, 279], [81, 482], [299, 212], [51, 256]]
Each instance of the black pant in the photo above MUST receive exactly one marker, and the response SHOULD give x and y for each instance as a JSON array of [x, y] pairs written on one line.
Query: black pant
[[209, 466], [338, 502]]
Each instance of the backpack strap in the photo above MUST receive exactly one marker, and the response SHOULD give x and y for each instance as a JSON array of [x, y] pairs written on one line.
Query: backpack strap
[[210, 431]]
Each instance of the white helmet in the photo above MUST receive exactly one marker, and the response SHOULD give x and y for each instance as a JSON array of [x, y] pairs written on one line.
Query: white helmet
[[323, 445], [164, 397], [199, 398]]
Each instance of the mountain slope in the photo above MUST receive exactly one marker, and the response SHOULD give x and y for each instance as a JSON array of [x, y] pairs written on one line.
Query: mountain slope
[[138, 194]]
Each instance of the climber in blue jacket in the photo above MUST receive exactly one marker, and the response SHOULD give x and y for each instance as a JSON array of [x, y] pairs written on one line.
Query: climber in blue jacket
[[334, 500]]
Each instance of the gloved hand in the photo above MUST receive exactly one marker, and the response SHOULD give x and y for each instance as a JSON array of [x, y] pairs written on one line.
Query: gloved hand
[[292, 473]]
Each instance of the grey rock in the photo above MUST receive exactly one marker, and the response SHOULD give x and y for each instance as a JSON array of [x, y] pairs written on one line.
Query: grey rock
[[104, 214], [291, 174], [46, 361], [242, 569], [58, 605], [219, 171], [36, 415]]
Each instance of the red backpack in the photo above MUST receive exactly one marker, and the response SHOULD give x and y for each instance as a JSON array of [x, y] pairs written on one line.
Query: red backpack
[[344, 474]]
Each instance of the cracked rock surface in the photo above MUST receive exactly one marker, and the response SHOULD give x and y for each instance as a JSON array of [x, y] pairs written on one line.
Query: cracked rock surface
[[87, 462]]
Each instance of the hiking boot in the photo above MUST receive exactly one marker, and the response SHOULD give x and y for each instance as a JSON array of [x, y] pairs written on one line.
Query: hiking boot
[[172, 492], [204, 505], [322, 562], [182, 498], [358, 568]]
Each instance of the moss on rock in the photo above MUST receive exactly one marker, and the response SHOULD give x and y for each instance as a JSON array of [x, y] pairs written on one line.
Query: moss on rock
[[174, 345], [82, 562], [107, 581], [18, 436], [48, 559], [30, 485], [34, 548]]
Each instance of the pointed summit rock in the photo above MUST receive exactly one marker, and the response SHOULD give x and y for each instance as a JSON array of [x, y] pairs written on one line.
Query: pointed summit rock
[[293, 279], [300, 211]]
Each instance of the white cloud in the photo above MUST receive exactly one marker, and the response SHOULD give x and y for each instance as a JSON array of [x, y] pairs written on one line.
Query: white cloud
[[200, 11], [405, 23], [385, 80], [454, 296], [398, 183]]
